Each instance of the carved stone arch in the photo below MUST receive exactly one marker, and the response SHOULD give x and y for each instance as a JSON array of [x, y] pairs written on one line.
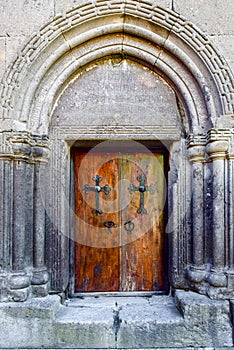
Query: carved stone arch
[[169, 43], [178, 51]]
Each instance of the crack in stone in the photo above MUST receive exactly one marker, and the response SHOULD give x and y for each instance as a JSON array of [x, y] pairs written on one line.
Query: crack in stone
[[117, 321]]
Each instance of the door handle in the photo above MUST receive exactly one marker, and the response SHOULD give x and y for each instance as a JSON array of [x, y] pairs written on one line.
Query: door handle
[[109, 224], [129, 226]]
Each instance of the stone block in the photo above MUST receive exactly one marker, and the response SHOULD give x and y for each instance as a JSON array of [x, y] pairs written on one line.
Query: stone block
[[2, 56], [24, 16], [224, 44], [209, 320], [40, 290], [19, 294], [43, 308], [13, 46], [117, 323], [85, 328], [154, 325], [211, 16]]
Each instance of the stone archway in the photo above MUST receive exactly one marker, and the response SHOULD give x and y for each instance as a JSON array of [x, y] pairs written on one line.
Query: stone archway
[[181, 55]]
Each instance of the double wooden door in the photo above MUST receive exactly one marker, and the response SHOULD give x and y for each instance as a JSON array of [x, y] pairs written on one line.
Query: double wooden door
[[119, 226]]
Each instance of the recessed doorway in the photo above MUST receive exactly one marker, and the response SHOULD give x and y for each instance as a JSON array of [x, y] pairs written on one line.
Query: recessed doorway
[[120, 206]]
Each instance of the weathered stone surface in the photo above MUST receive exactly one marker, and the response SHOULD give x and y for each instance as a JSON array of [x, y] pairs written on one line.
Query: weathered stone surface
[[24, 17], [43, 308], [40, 290], [13, 46], [2, 55], [117, 92], [212, 16], [19, 295], [184, 348], [225, 44], [209, 320], [115, 97], [117, 323], [18, 282]]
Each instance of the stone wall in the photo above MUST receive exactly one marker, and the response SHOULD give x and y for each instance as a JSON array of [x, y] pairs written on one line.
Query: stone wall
[[18, 20], [93, 70], [63, 59]]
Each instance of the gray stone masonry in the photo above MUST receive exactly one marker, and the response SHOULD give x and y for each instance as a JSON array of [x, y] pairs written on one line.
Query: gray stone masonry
[[159, 322]]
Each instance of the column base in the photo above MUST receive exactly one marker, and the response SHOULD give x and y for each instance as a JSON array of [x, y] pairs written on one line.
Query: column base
[[217, 278], [197, 278], [3, 287], [40, 282], [19, 294], [221, 285], [19, 286]]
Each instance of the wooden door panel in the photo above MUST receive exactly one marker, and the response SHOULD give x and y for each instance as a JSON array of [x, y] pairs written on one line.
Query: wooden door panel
[[97, 268], [141, 261], [119, 260]]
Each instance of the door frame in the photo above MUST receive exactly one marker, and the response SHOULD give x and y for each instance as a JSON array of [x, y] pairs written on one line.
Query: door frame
[[152, 145]]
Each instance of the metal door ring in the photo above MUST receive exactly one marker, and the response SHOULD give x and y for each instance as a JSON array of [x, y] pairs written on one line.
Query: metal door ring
[[129, 226]]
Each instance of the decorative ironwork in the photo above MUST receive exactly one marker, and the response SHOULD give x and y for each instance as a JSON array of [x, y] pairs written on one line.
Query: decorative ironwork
[[97, 189], [109, 224], [129, 226], [142, 189]]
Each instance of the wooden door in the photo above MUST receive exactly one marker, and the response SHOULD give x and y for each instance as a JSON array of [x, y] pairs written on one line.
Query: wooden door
[[119, 231]]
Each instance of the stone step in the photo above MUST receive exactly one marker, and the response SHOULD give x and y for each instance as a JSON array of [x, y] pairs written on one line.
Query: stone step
[[122, 322], [187, 321]]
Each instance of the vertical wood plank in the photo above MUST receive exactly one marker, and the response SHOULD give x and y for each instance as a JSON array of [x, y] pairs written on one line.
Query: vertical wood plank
[[141, 261], [97, 267]]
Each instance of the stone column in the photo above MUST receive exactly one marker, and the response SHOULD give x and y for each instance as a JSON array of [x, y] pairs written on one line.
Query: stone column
[[196, 272], [230, 223], [40, 276], [19, 280], [217, 151]]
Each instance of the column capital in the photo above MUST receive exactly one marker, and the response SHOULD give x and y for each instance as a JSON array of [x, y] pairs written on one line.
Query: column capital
[[217, 149], [219, 142], [196, 153], [24, 146], [196, 140], [196, 148], [219, 134]]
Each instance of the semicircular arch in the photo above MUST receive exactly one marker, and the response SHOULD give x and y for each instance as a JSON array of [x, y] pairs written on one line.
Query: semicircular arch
[[157, 37]]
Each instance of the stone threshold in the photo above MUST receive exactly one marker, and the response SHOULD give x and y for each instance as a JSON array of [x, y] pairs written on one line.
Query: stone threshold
[[129, 349], [187, 321]]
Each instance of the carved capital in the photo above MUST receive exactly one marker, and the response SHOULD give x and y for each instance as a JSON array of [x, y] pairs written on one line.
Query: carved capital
[[24, 146], [40, 154], [217, 149], [196, 153], [196, 148]]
